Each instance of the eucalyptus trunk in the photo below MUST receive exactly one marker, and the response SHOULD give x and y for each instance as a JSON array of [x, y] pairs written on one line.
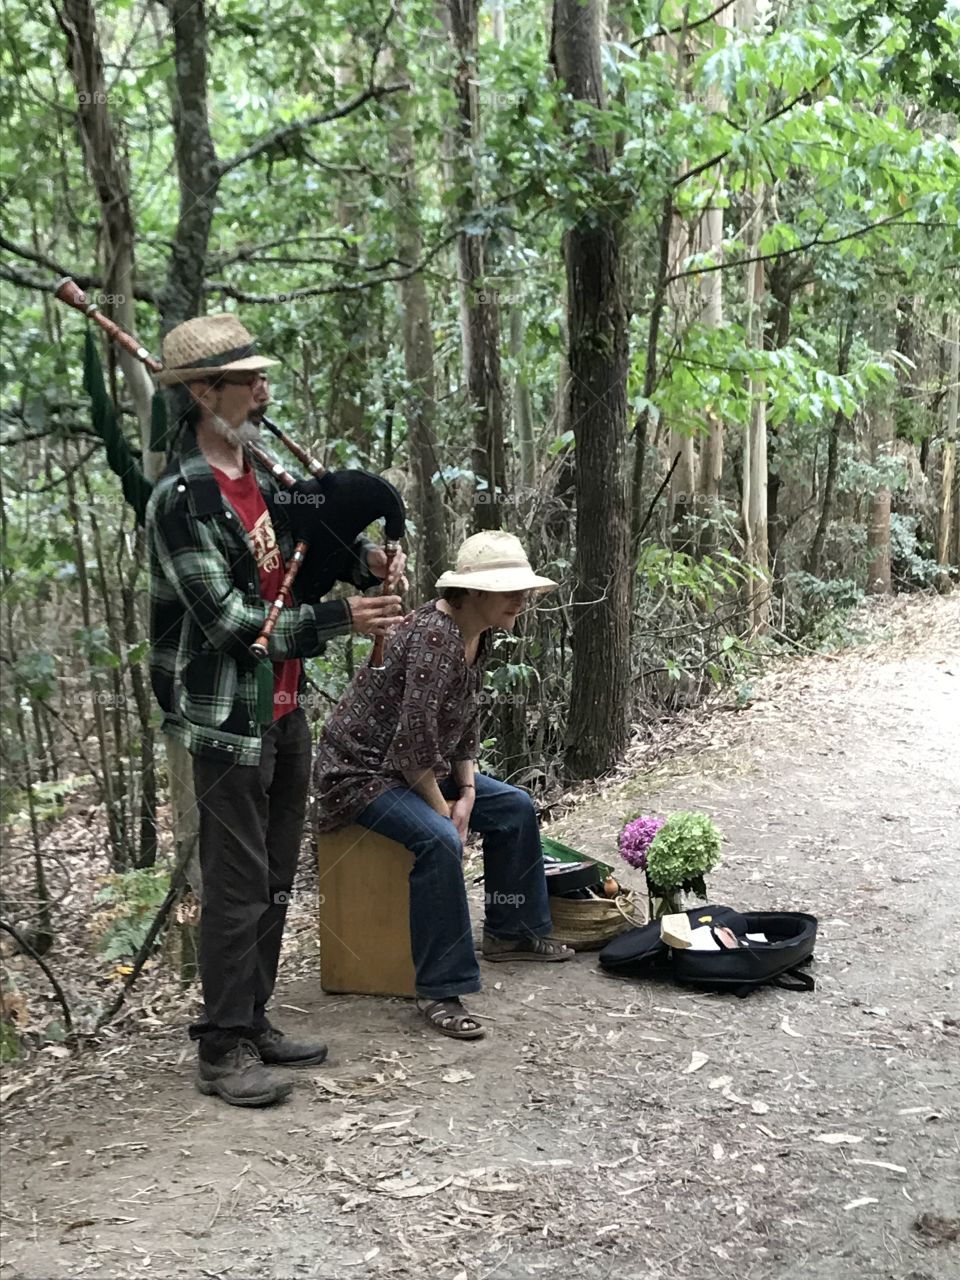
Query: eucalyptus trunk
[[479, 298], [420, 405], [945, 529], [109, 173], [597, 357]]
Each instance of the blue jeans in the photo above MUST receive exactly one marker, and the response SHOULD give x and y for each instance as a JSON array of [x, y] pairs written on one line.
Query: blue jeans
[[516, 889]]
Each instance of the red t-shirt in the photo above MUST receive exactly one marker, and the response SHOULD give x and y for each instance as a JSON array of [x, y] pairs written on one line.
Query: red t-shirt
[[246, 499]]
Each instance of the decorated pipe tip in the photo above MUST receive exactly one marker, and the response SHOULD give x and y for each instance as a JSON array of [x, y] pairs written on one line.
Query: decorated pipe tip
[[67, 290], [258, 651]]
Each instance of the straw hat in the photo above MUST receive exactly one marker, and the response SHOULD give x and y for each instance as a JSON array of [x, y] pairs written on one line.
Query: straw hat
[[493, 561], [207, 346]]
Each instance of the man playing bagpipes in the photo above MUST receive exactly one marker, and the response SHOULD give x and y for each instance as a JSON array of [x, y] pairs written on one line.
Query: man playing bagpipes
[[221, 529]]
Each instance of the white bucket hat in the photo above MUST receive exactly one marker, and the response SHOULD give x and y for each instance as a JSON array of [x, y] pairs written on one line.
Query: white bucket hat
[[208, 346], [493, 561]]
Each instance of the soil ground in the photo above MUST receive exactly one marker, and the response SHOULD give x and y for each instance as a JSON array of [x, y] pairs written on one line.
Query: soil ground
[[820, 1140]]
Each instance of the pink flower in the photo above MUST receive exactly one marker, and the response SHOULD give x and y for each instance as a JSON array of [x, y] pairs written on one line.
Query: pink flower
[[637, 837]]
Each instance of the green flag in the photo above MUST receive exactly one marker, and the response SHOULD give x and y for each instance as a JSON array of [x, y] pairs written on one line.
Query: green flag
[[136, 487]]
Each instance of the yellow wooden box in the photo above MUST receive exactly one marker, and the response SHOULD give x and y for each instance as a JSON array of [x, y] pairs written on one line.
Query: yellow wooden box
[[364, 905]]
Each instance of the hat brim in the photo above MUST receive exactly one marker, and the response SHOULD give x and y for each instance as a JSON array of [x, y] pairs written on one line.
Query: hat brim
[[497, 580], [249, 364]]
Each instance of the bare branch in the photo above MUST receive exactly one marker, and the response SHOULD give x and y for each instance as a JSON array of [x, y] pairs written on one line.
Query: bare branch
[[894, 220], [373, 93], [676, 31], [143, 293], [318, 290], [25, 946]]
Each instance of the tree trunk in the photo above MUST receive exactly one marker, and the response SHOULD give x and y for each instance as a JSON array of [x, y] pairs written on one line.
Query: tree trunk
[[683, 482], [778, 334], [118, 853], [418, 358], [147, 843], [945, 530], [891, 332], [711, 294], [599, 699], [350, 313], [815, 554], [197, 169], [109, 173], [642, 426], [755, 435], [479, 304], [521, 401]]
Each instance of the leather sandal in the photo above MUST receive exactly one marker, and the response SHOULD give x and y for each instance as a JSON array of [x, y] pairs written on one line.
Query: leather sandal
[[544, 950], [450, 1018]]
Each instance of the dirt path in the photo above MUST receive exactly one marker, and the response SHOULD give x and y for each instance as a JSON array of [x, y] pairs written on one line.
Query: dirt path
[[571, 1141]]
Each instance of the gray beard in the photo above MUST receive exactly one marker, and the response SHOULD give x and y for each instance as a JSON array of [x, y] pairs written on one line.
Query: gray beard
[[246, 433]]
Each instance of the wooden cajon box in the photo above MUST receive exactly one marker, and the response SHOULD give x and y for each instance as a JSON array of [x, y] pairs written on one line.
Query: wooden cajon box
[[364, 904]]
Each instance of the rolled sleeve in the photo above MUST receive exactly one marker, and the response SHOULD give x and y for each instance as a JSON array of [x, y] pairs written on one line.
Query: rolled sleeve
[[469, 744]]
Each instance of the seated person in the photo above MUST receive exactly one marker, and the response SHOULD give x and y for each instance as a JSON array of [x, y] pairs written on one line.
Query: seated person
[[397, 756]]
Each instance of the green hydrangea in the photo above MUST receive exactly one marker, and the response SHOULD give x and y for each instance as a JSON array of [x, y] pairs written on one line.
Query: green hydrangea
[[685, 848]]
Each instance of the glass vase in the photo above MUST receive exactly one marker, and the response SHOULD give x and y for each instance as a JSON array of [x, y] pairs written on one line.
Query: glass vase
[[664, 902]]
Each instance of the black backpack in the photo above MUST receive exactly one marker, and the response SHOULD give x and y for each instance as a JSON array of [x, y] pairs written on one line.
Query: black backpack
[[791, 936]]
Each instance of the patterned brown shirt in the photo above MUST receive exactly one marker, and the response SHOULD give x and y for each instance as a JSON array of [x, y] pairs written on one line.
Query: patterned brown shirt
[[420, 711]]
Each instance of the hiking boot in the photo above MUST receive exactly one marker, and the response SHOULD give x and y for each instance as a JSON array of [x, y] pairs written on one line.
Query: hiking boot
[[278, 1051], [240, 1078]]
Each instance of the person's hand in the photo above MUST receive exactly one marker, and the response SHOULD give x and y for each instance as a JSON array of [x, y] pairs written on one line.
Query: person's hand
[[460, 811], [374, 615], [377, 564]]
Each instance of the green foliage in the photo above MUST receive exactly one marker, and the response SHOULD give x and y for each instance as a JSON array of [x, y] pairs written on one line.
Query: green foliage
[[816, 608], [132, 899], [839, 111], [913, 563], [685, 848], [9, 1042]]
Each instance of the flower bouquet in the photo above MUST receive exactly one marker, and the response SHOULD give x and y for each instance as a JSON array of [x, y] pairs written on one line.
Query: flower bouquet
[[674, 854]]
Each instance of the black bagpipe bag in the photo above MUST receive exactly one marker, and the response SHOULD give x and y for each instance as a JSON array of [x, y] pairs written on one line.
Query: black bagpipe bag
[[791, 935]]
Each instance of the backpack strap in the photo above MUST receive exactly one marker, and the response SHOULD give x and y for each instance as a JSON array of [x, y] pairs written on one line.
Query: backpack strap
[[803, 981]]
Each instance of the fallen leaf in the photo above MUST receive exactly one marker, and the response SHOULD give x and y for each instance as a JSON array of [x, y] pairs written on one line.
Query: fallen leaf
[[718, 1151], [718, 1082], [786, 1027], [881, 1164], [457, 1077], [834, 1139], [330, 1086], [697, 1060], [858, 1204], [415, 1192], [760, 1108]]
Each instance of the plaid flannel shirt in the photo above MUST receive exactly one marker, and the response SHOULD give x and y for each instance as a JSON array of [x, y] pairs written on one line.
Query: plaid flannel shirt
[[206, 609]]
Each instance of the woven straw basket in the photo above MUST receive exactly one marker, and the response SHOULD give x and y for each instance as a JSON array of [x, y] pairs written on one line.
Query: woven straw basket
[[587, 923]]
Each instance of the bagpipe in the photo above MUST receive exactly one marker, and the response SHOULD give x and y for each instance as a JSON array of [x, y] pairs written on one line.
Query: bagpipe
[[332, 508]]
